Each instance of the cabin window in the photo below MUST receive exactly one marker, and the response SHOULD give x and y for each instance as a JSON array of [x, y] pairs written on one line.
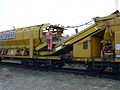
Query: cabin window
[[85, 45]]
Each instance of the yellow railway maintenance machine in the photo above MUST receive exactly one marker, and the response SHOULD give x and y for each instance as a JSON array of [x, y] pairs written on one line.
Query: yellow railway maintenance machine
[[97, 47]]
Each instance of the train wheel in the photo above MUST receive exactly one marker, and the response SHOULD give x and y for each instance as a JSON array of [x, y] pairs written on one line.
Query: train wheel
[[115, 67], [89, 66]]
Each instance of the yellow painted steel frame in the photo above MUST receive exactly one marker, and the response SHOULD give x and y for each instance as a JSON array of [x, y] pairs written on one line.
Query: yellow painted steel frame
[[29, 38], [111, 33]]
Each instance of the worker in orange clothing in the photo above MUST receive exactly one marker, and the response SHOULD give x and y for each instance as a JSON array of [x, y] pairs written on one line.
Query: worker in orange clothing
[[49, 39]]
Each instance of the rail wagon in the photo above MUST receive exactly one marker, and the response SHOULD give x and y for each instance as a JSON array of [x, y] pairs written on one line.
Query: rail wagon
[[96, 47]]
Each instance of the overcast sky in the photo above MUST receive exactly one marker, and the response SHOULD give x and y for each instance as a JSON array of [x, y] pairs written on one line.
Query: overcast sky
[[20, 13]]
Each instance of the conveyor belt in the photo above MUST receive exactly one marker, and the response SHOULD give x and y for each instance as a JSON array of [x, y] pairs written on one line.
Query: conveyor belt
[[66, 46]]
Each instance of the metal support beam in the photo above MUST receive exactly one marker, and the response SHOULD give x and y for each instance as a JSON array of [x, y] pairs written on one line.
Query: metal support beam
[[31, 48]]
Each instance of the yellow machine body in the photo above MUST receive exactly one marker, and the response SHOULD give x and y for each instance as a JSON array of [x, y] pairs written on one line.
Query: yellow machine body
[[25, 41], [96, 47], [100, 41], [95, 44], [87, 48]]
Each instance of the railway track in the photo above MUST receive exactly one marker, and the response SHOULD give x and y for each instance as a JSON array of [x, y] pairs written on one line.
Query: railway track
[[109, 75]]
